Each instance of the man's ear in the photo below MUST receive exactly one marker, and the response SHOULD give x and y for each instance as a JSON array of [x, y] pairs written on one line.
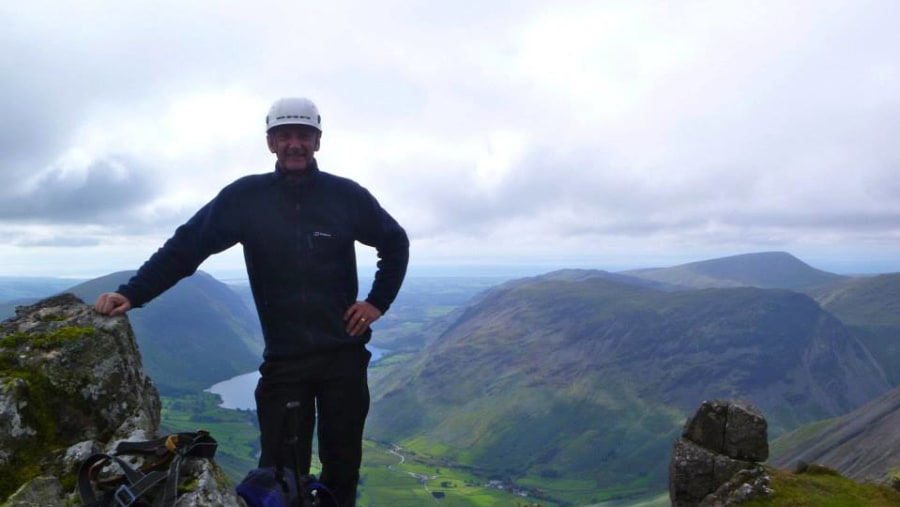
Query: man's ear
[[270, 140], [318, 141]]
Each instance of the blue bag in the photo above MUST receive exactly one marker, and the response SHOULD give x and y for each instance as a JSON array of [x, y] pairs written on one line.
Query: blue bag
[[274, 487], [269, 487], [279, 486]]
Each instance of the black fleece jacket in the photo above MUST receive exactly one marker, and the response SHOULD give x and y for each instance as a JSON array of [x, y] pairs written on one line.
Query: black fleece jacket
[[298, 237]]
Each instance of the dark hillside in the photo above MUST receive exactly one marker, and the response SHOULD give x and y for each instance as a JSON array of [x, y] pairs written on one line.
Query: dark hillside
[[767, 270], [196, 334], [580, 275], [863, 445], [594, 378], [871, 307]]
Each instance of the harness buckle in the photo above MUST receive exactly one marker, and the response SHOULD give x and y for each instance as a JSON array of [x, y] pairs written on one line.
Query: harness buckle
[[124, 496]]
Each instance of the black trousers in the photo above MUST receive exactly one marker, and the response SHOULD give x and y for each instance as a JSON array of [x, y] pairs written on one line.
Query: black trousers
[[331, 387]]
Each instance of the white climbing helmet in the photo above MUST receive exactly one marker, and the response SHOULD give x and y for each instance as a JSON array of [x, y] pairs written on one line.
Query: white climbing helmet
[[293, 111]]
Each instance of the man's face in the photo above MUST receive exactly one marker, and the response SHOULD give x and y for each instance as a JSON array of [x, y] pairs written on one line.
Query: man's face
[[294, 146]]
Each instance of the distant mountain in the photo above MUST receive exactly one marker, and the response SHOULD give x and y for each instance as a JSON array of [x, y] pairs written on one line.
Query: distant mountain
[[22, 290], [767, 270], [194, 335], [29, 287], [428, 306], [577, 275], [871, 307], [590, 377], [424, 308], [863, 445]]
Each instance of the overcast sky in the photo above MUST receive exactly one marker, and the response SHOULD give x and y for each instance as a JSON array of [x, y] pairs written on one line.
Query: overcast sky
[[604, 134]]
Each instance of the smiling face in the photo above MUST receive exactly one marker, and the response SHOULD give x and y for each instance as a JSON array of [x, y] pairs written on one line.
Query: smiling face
[[294, 146]]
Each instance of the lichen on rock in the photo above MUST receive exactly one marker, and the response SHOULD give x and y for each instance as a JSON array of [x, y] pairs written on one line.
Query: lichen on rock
[[71, 384]]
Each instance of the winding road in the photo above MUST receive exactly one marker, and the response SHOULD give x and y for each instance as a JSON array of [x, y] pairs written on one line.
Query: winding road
[[421, 478]]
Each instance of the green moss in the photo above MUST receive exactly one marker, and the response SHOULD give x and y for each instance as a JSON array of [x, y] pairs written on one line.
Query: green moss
[[188, 486], [55, 338], [221, 477], [12, 341], [68, 481], [54, 318], [7, 361], [40, 414]]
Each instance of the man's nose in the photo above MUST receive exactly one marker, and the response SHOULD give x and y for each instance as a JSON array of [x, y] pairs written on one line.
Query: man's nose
[[295, 142]]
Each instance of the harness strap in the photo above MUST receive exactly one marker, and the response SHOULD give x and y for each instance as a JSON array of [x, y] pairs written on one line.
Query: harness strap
[[155, 446], [199, 443], [135, 482]]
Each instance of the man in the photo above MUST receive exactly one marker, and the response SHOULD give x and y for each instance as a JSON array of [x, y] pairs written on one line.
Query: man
[[297, 226]]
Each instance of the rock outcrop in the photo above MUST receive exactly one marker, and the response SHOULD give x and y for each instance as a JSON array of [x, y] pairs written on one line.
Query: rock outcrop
[[716, 462], [72, 385]]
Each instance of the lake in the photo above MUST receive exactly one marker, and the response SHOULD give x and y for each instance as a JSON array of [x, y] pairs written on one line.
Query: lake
[[237, 392]]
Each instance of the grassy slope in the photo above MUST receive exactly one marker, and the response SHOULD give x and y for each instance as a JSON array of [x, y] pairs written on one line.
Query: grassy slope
[[824, 490], [861, 445]]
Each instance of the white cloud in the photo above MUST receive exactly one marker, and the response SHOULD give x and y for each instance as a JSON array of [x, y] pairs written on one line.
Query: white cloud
[[572, 131]]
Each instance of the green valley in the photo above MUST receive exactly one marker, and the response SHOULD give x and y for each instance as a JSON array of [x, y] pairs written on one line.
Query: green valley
[[566, 388]]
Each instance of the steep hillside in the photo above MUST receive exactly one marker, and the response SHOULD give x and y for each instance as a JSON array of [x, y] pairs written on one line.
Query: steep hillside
[[871, 307], [594, 377], [767, 270], [196, 334], [863, 445]]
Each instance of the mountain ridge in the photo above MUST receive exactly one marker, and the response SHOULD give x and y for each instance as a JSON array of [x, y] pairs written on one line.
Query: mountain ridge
[[767, 270], [548, 359]]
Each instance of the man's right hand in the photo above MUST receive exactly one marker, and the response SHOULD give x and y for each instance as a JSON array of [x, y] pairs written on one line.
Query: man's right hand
[[112, 304]]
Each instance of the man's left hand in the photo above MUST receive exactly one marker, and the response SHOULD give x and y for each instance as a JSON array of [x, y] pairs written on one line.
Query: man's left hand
[[360, 316]]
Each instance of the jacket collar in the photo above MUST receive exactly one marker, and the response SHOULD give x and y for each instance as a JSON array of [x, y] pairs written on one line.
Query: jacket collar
[[304, 178]]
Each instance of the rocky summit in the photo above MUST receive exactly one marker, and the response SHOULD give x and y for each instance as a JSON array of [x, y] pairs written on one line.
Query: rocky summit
[[716, 462], [72, 385]]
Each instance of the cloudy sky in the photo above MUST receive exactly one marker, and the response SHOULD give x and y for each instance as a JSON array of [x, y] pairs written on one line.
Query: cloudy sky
[[605, 134]]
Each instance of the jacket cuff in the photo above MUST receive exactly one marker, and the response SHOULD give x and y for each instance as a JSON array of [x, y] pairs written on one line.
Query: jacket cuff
[[383, 308]]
